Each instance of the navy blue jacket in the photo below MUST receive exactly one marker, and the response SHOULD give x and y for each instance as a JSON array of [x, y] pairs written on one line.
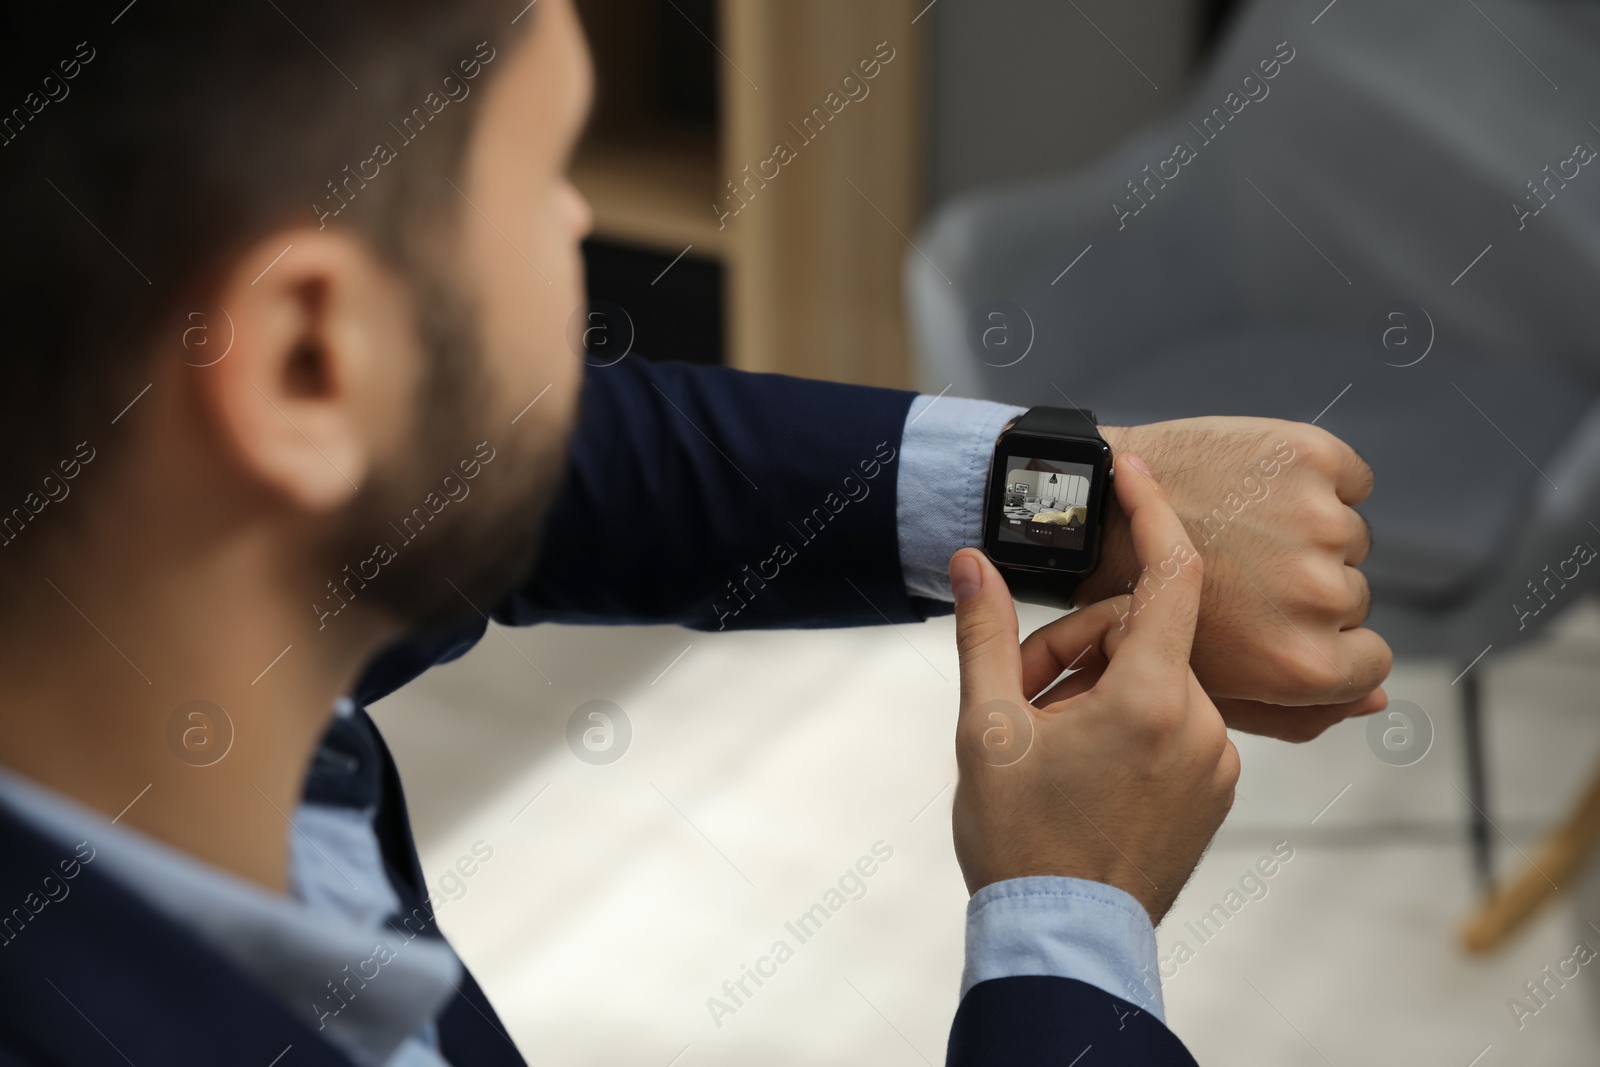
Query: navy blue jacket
[[769, 496]]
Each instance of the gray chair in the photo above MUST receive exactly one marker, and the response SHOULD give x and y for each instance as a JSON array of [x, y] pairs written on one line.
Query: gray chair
[[1262, 281]]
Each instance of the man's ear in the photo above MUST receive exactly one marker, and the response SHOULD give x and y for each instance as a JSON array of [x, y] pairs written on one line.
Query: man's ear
[[318, 381]]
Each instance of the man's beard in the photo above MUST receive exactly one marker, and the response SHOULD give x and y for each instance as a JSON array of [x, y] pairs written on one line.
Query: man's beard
[[462, 515]]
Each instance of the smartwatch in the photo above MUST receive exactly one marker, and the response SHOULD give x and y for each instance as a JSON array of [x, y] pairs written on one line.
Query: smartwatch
[[1044, 506]]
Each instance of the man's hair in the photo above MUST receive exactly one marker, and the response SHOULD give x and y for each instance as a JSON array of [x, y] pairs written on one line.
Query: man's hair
[[145, 145]]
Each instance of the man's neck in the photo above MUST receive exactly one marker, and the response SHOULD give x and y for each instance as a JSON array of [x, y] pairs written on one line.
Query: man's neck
[[102, 673]]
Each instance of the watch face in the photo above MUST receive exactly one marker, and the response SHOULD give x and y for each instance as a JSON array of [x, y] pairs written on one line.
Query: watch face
[[1045, 501]]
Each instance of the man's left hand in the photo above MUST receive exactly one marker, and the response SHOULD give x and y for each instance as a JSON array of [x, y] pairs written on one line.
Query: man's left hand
[[1269, 504]]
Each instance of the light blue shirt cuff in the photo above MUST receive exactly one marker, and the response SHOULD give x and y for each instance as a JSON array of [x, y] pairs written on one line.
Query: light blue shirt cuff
[[1068, 928], [945, 452]]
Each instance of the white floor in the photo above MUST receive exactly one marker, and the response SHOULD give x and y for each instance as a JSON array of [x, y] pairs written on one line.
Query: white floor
[[761, 766]]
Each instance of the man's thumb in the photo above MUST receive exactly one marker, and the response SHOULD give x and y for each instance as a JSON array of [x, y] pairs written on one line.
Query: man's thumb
[[986, 631]]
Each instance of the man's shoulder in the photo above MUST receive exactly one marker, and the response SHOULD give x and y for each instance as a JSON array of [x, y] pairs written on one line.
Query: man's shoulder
[[91, 974]]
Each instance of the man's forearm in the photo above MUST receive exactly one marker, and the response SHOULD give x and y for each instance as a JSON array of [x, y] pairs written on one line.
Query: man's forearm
[[719, 499]]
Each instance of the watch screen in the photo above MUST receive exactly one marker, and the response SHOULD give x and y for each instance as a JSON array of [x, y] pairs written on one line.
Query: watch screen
[[1046, 502]]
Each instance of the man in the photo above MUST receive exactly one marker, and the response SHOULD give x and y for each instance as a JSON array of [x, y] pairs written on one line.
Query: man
[[288, 416]]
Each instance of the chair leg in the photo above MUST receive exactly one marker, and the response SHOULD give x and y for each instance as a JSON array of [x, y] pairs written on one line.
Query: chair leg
[[1477, 785], [1560, 861]]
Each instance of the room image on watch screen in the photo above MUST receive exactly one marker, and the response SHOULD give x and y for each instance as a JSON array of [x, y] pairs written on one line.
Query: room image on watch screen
[[1045, 502]]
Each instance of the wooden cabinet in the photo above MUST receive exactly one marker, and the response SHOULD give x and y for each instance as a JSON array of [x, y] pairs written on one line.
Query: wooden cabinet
[[782, 139]]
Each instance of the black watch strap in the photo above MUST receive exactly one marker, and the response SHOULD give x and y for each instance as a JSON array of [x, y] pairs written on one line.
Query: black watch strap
[[1067, 422], [1050, 588]]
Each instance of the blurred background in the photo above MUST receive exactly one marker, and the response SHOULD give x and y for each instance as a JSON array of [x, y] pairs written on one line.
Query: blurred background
[[739, 775]]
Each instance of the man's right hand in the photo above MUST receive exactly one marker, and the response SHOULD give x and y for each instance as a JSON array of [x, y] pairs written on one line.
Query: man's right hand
[[1120, 773]]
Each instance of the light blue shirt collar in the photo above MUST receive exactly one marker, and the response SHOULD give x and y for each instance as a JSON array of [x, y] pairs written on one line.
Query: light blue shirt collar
[[324, 950]]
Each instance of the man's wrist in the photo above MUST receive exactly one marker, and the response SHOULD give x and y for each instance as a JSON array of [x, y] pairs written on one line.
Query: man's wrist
[[1066, 927], [946, 451], [1117, 564]]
